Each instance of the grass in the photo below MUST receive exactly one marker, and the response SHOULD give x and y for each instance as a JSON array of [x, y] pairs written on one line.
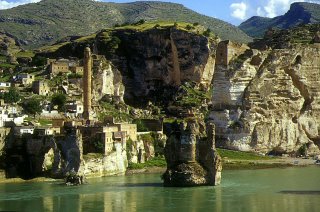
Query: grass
[[252, 165], [5, 77], [25, 54], [154, 162], [237, 155], [7, 65], [45, 122], [53, 48]]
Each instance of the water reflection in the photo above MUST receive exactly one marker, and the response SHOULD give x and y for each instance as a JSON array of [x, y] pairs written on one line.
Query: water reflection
[[253, 190]]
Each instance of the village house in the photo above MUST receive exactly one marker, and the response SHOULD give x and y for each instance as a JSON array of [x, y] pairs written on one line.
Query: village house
[[4, 86], [40, 88], [74, 108], [130, 129], [42, 131], [108, 135], [21, 130], [47, 110], [10, 117], [59, 66], [24, 79], [77, 69]]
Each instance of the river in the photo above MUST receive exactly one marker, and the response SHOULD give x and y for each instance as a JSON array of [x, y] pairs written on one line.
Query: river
[[290, 189]]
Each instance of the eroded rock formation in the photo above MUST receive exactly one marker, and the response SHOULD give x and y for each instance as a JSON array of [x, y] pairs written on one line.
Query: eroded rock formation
[[191, 156], [107, 80], [32, 156], [268, 100]]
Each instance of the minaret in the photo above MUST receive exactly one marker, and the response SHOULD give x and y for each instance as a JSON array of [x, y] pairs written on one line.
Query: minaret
[[87, 75]]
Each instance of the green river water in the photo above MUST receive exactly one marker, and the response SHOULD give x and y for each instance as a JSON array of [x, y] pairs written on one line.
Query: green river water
[[279, 190]]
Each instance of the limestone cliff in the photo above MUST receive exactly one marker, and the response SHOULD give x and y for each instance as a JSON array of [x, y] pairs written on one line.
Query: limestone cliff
[[268, 100], [114, 163]]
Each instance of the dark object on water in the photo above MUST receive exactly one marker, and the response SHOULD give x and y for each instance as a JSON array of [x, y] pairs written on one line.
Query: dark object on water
[[73, 179]]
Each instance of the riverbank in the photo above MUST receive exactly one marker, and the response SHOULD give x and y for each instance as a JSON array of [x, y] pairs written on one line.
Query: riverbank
[[238, 164]]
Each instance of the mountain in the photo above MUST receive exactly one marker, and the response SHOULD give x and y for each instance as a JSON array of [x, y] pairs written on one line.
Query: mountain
[[45, 22], [299, 13]]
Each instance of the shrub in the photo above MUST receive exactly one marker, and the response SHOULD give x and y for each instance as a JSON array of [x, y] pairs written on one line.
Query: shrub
[[189, 27], [12, 96], [32, 106], [141, 127]]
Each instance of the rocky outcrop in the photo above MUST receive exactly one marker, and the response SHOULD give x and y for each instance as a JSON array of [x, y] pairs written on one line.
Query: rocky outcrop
[[31, 156], [268, 100], [191, 156], [107, 80], [115, 163]]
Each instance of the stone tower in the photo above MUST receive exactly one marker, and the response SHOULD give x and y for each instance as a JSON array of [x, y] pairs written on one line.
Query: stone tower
[[87, 76]]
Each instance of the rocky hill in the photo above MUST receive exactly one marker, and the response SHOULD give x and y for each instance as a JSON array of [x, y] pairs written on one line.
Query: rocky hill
[[50, 20], [299, 13]]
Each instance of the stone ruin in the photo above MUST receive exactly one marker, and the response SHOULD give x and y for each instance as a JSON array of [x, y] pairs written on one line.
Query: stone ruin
[[192, 159]]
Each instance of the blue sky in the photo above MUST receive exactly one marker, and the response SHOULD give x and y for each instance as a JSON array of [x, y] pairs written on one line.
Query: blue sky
[[232, 11]]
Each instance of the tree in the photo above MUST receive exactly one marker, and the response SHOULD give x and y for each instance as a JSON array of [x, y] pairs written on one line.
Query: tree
[[39, 61], [12, 96], [59, 100], [32, 106], [207, 33]]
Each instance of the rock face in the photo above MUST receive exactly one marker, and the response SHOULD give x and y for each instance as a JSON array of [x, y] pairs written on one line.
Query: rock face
[[154, 59], [107, 80], [268, 100], [115, 163], [57, 157], [151, 62], [191, 156]]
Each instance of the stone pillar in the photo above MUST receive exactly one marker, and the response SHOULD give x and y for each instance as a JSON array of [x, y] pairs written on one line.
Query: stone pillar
[[87, 76]]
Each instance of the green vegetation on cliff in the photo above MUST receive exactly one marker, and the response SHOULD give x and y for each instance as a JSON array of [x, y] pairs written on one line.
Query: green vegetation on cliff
[[50, 20]]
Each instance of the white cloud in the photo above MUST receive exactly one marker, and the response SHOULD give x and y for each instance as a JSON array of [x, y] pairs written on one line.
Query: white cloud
[[239, 10], [10, 4], [260, 12], [277, 7]]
